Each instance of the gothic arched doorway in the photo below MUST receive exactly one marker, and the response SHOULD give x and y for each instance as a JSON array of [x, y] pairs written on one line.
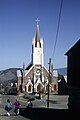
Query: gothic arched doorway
[[29, 88], [39, 88]]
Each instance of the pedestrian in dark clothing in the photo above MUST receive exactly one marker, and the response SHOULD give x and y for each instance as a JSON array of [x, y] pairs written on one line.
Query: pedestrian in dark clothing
[[8, 107], [30, 105]]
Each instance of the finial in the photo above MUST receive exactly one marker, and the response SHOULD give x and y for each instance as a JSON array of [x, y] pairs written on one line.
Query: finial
[[37, 20]]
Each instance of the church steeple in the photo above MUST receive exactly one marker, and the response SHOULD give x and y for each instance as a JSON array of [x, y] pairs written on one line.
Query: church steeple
[[37, 38]]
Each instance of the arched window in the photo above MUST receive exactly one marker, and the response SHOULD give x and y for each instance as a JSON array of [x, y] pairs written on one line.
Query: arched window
[[39, 88], [29, 88]]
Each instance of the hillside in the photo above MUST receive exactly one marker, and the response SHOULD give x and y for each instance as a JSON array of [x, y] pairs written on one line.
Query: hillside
[[62, 71], [8, 74]]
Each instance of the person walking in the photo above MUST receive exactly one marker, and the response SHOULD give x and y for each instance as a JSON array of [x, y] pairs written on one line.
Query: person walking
[[17, 106], [8, 107], [29, 105]]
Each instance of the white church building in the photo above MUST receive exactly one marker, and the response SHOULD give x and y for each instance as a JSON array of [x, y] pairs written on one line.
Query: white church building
[[35, 75]]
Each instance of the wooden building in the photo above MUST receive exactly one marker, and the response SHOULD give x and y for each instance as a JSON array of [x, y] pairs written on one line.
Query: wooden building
[[73, 76]]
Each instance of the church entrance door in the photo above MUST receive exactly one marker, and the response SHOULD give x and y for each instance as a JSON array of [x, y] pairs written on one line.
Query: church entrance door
[[29, 88], [39, 88]]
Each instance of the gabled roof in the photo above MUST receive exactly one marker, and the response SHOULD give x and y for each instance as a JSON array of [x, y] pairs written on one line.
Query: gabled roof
[[75, 49], [46, 69], [29, 66], [29, 70]]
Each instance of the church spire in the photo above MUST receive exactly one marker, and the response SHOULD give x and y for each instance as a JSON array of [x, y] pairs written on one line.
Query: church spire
[[37, 38]]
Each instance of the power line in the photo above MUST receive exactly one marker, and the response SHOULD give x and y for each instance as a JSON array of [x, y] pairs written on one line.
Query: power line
[[57, 29]]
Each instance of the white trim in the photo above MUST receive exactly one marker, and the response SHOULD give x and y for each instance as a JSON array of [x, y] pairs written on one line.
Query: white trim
[[29, 70], [45, 68]]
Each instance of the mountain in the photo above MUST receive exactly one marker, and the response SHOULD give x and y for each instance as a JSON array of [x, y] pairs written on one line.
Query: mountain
[[8, 74], [62, 71]]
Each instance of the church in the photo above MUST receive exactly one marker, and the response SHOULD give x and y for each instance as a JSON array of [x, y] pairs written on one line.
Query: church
[[35, 75]]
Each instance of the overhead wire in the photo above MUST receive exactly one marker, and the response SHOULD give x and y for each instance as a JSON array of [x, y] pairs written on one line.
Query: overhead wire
[[58, 25]]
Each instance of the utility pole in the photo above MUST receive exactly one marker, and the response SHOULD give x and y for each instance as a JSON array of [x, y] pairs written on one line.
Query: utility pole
[[23, 77], [49, 82], [33, 82]]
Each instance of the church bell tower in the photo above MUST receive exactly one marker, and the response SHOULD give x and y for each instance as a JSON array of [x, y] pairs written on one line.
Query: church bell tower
[[37, 55], [37, 48]]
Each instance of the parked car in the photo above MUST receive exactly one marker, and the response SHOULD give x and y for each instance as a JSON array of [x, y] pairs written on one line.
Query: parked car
[[32, 96], [29, 96], [46, 92], [26, 95], [38, 95]]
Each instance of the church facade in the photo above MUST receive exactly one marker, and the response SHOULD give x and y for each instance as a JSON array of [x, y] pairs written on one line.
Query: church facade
[[35, 75]]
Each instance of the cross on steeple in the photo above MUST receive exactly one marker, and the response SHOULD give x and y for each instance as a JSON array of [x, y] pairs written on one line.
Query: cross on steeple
[[37, 20]]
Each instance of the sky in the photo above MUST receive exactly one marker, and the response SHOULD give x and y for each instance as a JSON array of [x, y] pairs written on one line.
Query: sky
[[18, 28]]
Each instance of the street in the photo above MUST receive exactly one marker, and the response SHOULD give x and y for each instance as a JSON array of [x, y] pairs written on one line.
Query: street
[[3, 114], [55, 102]]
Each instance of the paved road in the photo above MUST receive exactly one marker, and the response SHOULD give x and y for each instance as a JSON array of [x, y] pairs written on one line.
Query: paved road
[[55, 102], [59, 101], [3, 115]]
